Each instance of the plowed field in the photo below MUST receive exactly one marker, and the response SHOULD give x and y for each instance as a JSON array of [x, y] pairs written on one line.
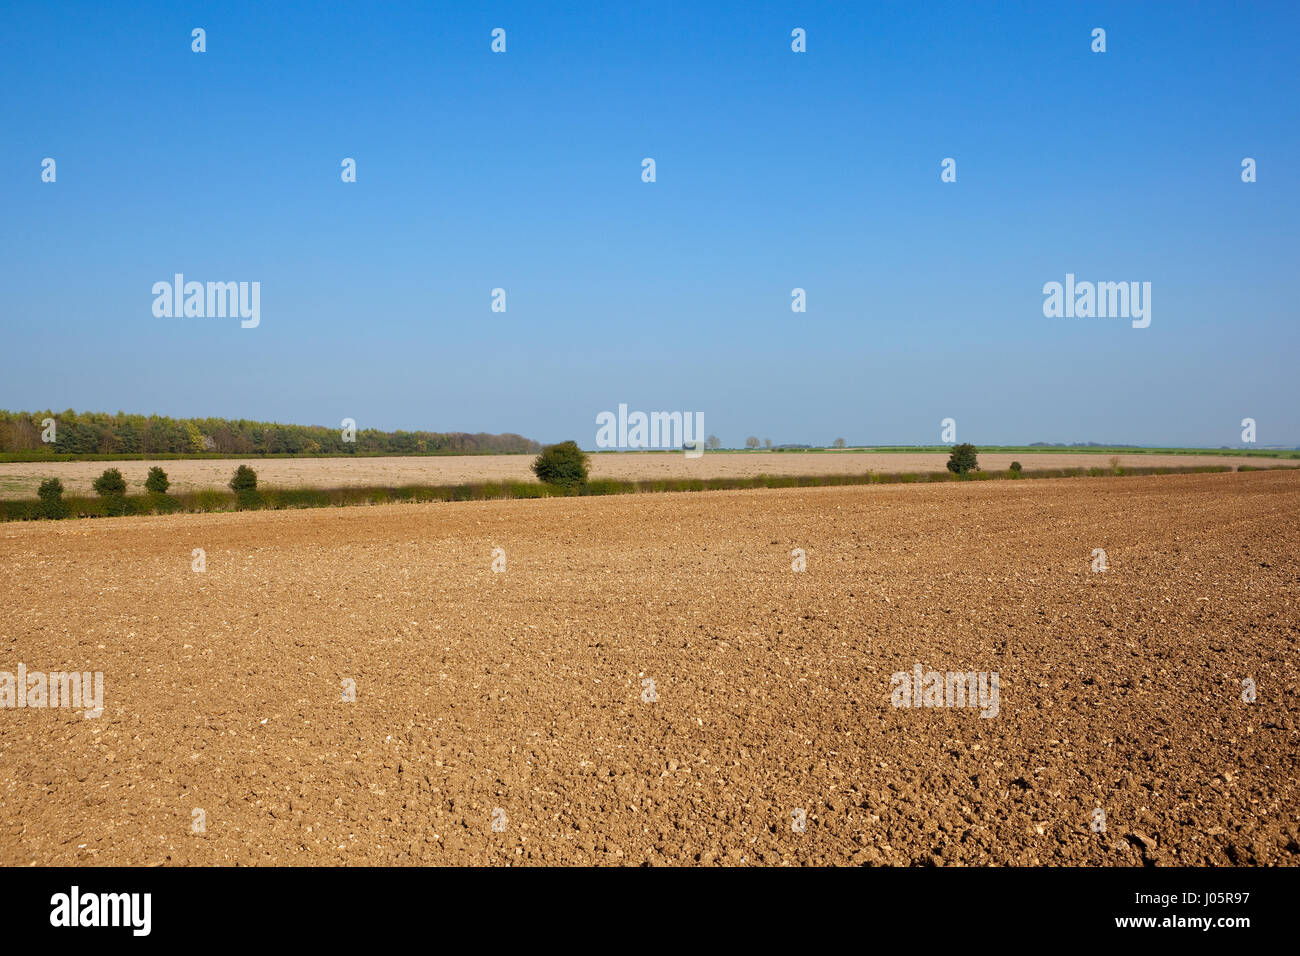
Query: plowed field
[[522, 698]]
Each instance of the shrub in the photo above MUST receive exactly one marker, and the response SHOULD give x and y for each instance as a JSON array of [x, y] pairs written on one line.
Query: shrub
[[109, 483], [247, 499], [519, 489], [157, 482], [164, 504], [210, 499], [23, 510], [86, 507], [1015, 466], [963, 459], [245, 479], [297, 498], [51, 489], [564, 464], [50, 494], [609, 486]]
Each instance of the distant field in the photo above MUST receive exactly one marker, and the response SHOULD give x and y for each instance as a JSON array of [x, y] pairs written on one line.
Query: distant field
[[20, 479]]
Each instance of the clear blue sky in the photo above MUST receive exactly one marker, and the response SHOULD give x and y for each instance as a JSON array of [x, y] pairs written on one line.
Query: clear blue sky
[[775, 170]]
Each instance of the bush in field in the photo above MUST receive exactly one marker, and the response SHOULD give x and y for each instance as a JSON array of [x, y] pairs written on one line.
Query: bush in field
[[1015, 469], [244, 485], [51, 489], [109, 483], [564, 464], [245, 479], [963, 459], [111, 486], [51, 495], [157, 482]]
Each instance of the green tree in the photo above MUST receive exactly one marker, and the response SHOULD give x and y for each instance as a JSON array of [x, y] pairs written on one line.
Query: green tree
[[111, 486], [245, 479], [110, 483], [963, 459], [157, 482], [51, 494], [244, 485], [563, 464], [195, 438], [128, 436]]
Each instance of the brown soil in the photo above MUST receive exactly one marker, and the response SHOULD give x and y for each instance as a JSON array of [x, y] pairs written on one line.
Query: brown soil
[[523, 690]]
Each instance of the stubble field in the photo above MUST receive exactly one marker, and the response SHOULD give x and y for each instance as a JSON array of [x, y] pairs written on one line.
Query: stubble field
[[520, 697], [21, 479]]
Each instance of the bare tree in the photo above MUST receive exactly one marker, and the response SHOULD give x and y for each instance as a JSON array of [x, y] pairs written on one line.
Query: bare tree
[[751, 442], [839, 443], [713, 441], [767, 442]]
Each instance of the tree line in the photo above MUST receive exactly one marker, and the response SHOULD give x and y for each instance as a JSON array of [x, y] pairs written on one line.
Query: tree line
[[101, 433]]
